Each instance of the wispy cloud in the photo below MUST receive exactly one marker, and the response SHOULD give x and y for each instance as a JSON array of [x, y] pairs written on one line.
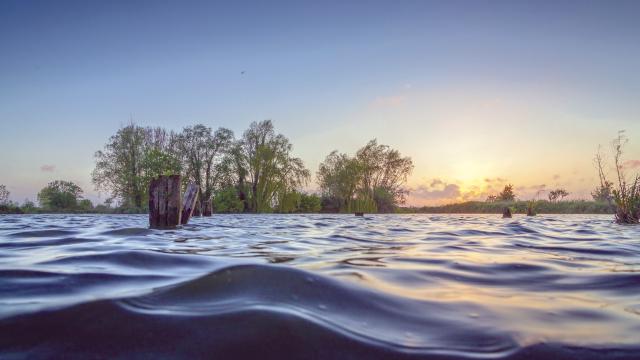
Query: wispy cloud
[[48, 168], [434, 191]]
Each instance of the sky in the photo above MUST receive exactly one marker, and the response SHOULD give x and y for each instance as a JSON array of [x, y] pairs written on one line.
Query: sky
[[478, 93]]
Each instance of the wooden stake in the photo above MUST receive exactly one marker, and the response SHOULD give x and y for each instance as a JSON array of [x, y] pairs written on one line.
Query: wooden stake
[[165, 202], [207, 208], [190, 200]]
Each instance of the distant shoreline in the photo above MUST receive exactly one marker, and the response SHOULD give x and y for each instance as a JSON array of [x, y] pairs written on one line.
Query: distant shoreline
[[469, 207], [517, 207]]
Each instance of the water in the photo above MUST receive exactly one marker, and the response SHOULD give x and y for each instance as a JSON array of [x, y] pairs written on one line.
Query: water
[[320, 286]]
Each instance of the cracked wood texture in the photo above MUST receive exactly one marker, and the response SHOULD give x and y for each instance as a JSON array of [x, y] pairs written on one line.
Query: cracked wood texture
[[165, 202]]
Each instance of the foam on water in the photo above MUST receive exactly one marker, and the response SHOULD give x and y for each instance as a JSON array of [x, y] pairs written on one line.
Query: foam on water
[[320, 286]]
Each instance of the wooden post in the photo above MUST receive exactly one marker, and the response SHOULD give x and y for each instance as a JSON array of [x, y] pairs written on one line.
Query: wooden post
[[359, 214], [165, 202], [506, 212], [190, 200], [207, 208], [197, 208]]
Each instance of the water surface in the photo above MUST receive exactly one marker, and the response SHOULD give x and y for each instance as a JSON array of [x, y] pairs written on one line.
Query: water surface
[[320, 286]]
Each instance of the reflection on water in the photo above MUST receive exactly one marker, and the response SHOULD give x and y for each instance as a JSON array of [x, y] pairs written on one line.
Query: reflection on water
[[326, 286]]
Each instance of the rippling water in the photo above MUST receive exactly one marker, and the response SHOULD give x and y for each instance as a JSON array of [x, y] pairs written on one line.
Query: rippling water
[[320, 286]]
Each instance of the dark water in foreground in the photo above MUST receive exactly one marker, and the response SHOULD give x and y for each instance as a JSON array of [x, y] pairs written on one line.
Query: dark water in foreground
[[318, 286]]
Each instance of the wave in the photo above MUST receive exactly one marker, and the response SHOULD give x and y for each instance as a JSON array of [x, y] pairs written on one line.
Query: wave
[[319, 286]]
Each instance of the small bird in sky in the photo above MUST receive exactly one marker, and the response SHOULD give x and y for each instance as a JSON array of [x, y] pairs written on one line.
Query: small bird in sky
[[241, 72]]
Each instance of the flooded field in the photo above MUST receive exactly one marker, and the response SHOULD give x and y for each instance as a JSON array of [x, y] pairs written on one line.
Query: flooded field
[[320, 286]]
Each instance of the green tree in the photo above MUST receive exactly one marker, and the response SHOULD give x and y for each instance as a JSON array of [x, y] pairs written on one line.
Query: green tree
[[60, 195], [384, 174], [604, 192], [121, 166], [371, 181], [4, 195], [288, 202], [156, 162], [28, 207], [271, 171], [507, 194], [85, 205], [226, 200], [309, 203], [339, 177], [203, 153]]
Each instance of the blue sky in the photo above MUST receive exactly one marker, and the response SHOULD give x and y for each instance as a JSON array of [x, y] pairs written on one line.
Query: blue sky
[[478, 93]]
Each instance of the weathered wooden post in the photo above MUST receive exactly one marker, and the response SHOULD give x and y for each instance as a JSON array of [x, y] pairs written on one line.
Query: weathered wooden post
[[358, 213], [197, 209], [190, 198], [165, 202], [506, 212], [207, 211]]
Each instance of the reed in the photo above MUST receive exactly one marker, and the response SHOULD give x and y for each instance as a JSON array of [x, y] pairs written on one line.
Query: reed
[[626, 194]]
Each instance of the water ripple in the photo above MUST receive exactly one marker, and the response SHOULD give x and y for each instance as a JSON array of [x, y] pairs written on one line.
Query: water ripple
[[320, 286]]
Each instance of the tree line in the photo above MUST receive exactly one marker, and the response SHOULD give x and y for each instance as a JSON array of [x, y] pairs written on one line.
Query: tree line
[[254, 173]]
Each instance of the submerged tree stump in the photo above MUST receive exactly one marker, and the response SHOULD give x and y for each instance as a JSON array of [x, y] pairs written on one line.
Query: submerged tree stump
[[506, 212], [165, 202], [190, 200]]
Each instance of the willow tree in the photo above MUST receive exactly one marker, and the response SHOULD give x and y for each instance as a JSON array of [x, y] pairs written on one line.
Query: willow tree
[[271, 171], [129, 159], [339, 177], [373, 180], [384, 174], [202, 151]]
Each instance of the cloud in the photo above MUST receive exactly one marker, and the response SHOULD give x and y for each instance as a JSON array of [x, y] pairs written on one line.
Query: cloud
[[48, 168], [631, 164], [436, 190], [497, 180]]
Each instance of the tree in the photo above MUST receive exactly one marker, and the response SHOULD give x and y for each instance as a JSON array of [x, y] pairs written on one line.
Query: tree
[[384, 173], [264, 157], [121, 167], [157, 162], [371, 181], [85, 205], [604, 191], [626, 193], [226, 200], [309, 203], [557, 193], [339, 177], [28, 207], [60, 195], [507, 194], [202, 154], [4, 195]]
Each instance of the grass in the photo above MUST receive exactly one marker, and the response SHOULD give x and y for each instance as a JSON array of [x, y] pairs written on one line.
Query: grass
[[517, 207]]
